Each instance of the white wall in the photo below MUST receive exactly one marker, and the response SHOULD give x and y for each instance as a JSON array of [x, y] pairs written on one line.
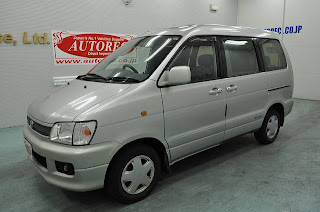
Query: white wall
[[260, 13], [26, 71], [303, 48]]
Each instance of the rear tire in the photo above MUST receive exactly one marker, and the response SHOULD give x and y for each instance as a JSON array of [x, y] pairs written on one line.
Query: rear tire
[[270, 128], [133, 174]]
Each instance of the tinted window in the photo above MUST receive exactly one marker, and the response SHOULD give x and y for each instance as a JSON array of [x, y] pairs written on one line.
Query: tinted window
[[241, 57], [273, 54], [200, 56]]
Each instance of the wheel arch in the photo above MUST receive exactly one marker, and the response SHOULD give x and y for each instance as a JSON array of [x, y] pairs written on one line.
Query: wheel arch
[[280, 108], [156, 144]]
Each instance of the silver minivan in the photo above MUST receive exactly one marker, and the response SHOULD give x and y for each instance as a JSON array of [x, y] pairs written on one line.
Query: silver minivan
[[159, 98]]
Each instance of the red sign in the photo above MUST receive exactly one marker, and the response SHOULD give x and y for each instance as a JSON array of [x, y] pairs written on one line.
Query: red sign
[[72, 48]]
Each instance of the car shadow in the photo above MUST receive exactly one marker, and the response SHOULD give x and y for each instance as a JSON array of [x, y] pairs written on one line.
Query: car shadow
[[213, 157], [95, 200]]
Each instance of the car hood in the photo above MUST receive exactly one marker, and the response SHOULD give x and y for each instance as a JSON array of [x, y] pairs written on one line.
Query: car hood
[[67, 102]]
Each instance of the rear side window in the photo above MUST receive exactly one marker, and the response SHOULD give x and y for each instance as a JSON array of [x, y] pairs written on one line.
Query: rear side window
[[273, 55], [241, 57]]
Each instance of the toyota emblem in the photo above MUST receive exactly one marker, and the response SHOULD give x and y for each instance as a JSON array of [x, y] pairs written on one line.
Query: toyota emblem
[[31, 123]]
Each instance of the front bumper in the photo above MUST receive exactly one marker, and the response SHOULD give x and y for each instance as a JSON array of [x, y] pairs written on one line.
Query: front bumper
[[90, 162]]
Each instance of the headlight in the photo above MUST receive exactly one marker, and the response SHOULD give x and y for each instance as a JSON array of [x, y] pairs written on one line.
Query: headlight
[[73, 133], [62, 133]]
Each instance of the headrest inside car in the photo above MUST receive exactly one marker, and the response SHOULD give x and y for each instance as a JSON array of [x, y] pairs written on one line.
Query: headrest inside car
[[205, 60]]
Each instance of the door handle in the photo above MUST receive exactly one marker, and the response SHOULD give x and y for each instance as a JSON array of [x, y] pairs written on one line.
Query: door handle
[[215, 91], [232, 88]]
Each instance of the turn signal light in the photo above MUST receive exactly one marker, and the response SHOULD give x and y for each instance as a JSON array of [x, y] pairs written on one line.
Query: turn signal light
[[86, 131], [144, 113]]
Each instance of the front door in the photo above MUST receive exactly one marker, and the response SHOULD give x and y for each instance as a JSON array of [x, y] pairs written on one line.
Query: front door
[[194, 113]]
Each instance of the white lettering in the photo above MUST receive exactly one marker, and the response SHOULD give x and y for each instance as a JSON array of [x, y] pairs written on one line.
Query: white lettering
[[116, 45], [102, 45], [80, 46], [108, 46], [92, 43], [74, 46]]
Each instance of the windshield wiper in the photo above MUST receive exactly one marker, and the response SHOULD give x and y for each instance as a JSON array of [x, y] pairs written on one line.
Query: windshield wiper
[[92, 76], [122, 79]]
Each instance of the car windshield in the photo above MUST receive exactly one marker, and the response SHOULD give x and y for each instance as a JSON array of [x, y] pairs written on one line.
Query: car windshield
[[135, 61]]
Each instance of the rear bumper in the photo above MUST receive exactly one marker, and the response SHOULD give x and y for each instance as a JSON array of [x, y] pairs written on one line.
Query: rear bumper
[[90, 162], [288, 105]]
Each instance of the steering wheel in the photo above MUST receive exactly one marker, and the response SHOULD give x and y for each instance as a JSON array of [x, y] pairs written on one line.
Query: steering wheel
[[131, 67]]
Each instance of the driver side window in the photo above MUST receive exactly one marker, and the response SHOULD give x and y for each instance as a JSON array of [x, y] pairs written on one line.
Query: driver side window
[[199, 54]]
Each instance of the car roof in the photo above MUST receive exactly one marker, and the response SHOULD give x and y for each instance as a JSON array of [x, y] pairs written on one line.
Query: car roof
[[214, 29]]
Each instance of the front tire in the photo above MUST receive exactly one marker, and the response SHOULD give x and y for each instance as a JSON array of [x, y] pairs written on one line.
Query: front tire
[[270, 128], [133, 174]]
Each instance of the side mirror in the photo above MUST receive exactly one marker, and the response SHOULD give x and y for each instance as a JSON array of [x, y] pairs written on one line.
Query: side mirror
[[177, 75]]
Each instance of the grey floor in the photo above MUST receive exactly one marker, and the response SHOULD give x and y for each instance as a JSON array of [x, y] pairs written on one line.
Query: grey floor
[[240, 175]]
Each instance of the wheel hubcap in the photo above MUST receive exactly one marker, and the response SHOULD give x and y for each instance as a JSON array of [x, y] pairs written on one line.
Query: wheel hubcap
[[137, 174], [272, 126]]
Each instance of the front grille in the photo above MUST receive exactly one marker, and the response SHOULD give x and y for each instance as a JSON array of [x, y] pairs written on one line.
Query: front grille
[[43, 130], [40, 159]]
